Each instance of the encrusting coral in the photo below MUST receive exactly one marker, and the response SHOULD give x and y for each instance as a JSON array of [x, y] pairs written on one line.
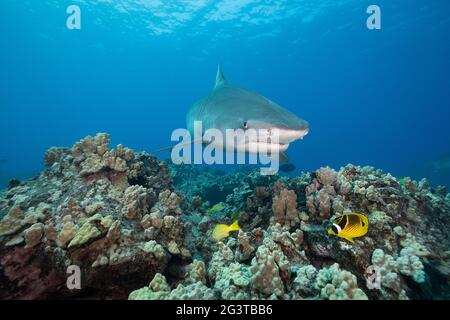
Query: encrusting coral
[[139, 228]]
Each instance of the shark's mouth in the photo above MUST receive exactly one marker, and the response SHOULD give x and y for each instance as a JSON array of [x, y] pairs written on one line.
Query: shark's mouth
[[289, 135], [277, 141], [266, 147], [262, 141]]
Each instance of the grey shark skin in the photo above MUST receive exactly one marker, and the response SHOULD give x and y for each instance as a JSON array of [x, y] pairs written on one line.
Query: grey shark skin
[[234, 107]]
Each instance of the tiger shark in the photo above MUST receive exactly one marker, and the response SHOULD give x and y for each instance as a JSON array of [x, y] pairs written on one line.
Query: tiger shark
[[234, 107]]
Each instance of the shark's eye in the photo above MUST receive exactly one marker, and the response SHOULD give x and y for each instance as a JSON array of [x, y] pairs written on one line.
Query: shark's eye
[[244, 125]]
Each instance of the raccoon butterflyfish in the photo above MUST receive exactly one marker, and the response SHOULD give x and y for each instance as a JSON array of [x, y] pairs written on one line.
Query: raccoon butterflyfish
[[349, 225], [221, 231]]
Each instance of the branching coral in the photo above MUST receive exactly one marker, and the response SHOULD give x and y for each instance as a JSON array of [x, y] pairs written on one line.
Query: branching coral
[[407, 263], [327, 176], [16, 219], [269, 267], [196, 272], [410, 242], [304, 282], [232, 282], [284, 208], [290, 242], [136, 202], [387, 269], [68, 231], [337, 284], [33, 235], [93, 156], [245, 249], [170, 203], [220, 258], [158, 289], [321, 194], [195, 291], [410, 265]]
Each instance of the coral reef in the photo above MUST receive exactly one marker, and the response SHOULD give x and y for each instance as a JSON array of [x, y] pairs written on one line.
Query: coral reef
[[86, 210], [337, 284], [139, 228]]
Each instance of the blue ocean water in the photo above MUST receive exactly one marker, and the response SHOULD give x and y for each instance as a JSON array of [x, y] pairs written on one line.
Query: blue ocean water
[[372, 97]]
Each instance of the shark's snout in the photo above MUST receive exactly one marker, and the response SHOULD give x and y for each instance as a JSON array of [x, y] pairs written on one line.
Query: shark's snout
[[284, 134], [290, 134], [287, 136]]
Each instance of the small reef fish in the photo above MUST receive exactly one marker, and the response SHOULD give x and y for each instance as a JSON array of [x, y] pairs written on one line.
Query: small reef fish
[[349, 225], [287, 167], [216, 208], [221, 231]]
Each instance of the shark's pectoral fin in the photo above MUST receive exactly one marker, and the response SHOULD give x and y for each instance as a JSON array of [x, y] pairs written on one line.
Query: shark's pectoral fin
[[283, 157], [220, 78]]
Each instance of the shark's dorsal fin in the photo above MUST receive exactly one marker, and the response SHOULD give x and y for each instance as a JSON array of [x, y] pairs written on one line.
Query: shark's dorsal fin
[[220, 79]]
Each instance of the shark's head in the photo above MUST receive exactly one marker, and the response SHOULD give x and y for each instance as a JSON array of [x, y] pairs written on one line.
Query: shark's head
[[233, 107], [276, 129], [248, 110], [276, 120]]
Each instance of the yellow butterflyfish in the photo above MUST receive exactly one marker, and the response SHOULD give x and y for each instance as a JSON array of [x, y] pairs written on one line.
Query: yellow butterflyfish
[[349, 225], [221, 231]]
